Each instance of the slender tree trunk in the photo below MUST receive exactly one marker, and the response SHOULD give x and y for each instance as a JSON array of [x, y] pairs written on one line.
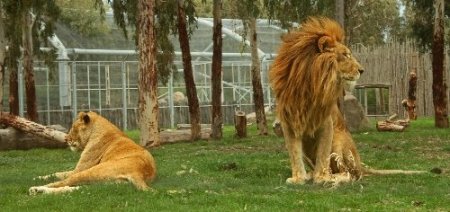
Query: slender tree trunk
[[216, 75], [348, 19], [258, 95], [13, 99], [30, 89], [339, 11], [191, 91], [439, 85], [148, 81], [2, 54]]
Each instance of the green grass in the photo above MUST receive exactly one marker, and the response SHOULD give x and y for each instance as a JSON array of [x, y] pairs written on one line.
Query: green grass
[[245, 174]]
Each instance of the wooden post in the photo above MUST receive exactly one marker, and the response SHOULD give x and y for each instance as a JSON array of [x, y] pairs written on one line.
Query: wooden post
[[277, 128], [240, 123], [410, 103]]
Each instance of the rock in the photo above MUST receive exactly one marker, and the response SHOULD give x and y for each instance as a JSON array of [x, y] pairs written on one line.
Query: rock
[[354, 113]]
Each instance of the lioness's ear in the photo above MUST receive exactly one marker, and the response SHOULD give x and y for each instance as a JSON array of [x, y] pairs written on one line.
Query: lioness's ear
[[325, 43], [86, 118]]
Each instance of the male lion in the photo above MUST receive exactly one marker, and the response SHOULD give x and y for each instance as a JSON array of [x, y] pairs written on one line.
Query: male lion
[[107, 154], [308, 75]]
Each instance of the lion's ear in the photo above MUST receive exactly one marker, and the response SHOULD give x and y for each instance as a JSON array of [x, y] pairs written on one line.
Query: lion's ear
[[86, 118], [325, 43]]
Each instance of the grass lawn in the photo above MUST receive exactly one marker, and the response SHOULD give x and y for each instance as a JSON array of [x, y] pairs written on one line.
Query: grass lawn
[[245, 174]]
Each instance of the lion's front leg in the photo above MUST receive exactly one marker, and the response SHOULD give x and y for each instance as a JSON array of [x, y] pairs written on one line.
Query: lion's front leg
[[324, 139], [295, 150], [58, 175]]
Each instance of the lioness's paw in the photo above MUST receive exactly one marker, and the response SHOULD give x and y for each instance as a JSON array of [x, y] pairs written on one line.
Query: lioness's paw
[[46, 190], [37, 190], [295, 181], [45, 177]]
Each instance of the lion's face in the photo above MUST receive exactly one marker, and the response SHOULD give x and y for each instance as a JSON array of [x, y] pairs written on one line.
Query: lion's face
[[79, 133], [348, 67]]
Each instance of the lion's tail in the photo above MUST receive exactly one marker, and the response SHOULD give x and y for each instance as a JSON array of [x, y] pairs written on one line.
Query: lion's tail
[[370, 171]]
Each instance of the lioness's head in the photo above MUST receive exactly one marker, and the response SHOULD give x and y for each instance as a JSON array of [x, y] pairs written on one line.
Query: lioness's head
[[80, 132]]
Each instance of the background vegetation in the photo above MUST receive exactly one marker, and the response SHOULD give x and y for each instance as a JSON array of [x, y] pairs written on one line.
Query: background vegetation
[[247, 174]]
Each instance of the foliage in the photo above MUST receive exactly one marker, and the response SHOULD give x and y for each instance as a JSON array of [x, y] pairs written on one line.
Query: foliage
[[45, 12], [290, 11], [125, 16], [367, 22], [245, 174], [420, 18], [90, 24], [372, 22]]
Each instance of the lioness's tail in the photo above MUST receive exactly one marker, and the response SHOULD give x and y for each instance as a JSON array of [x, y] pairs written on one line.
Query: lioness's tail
[[370, 171]]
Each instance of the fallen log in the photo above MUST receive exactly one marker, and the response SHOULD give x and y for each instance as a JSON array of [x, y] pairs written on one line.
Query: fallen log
[[390, 125], [34, 128], [14, 139], [173, 136], [50, 134], [188, 126]]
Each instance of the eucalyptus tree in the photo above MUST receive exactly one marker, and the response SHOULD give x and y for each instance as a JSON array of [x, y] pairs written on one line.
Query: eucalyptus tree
[[249, 11], [186, 8], [2, 54], [216, 74], [159, 62], [23, 22], [439, 86], [140, 15], [427, 20], [419, 16]]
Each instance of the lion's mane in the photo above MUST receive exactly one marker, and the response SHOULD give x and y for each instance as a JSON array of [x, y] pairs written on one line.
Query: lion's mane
[[304, 79]]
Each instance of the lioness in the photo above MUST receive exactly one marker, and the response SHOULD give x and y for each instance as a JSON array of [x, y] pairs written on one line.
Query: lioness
[[107, 154]]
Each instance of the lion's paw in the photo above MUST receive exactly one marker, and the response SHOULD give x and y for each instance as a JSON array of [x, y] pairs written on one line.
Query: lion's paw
[[295, 181]]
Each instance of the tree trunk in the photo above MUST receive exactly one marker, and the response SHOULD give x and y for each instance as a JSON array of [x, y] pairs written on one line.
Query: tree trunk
[[2, 54], [439, 86], [13, 99], [191, 91], [216, 75], [27, 44], [148, 81], [258, 95], [32, 127], [339, 11]]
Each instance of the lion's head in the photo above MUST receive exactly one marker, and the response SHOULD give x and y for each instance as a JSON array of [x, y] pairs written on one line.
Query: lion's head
[[310, 72]]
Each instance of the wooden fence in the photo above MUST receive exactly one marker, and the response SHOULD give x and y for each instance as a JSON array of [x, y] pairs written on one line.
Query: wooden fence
[[391, 64]]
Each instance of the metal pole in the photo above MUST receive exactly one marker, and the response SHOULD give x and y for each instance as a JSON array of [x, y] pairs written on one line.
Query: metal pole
[[74, 90], [124, 97], [170, 100], [21, 105], [48, 95], [89, 85], [99, 89]]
